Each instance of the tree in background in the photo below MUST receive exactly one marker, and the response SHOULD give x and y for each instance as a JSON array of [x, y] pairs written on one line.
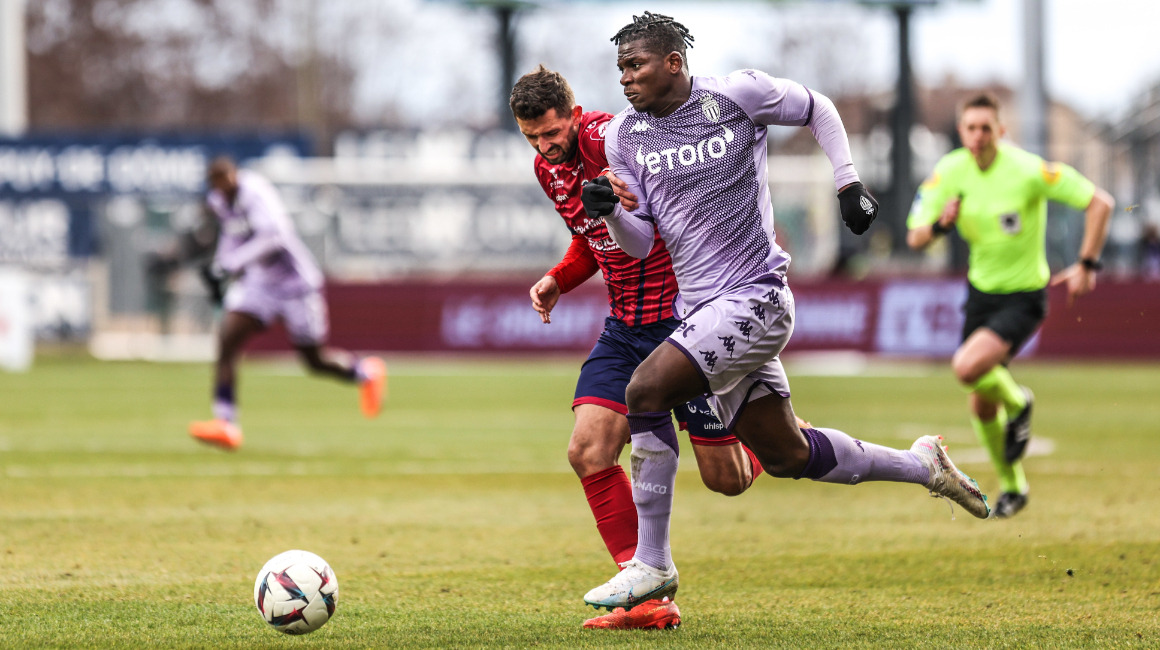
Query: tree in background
[[183, 64]]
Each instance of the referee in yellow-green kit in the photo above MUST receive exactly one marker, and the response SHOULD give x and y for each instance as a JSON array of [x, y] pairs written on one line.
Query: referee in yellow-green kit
[[996, 195]]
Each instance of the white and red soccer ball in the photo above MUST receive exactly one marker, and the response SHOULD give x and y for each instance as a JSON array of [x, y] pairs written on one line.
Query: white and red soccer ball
[[296, 592]]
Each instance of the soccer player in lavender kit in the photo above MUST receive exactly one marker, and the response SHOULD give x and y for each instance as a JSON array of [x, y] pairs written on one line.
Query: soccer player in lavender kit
[[692, 150], [569, 143], [275, 277]]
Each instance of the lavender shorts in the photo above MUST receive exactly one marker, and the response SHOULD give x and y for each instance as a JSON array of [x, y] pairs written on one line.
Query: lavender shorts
[[304, 316], [735, 341]]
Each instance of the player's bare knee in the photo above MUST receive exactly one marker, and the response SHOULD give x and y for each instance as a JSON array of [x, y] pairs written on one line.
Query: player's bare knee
[[642, 395], [966, 370], [578, 459], [728, 485], [587, 457], [788, 463]]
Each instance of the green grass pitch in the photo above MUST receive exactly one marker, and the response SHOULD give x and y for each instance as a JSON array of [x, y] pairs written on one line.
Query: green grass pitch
[[453, 520]]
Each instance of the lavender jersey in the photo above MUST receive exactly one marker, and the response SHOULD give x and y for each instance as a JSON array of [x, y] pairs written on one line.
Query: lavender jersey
[[700, 176], [258, 240]]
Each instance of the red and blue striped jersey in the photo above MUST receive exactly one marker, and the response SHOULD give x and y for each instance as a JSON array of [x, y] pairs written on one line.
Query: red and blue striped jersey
[[640, 291]]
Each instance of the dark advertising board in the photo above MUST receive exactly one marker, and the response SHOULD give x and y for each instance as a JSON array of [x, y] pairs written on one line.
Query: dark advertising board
[[918, 318]]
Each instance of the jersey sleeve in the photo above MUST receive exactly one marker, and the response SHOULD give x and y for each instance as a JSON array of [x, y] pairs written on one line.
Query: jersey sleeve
[[769, 100], [619, 167], [267, 224], [578, 265], [772, 101], [932, 195], [632, 231], [1062, 183], [592, 141]]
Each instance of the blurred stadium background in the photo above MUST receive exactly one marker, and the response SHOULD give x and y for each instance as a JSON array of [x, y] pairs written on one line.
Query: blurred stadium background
[[415, 191]]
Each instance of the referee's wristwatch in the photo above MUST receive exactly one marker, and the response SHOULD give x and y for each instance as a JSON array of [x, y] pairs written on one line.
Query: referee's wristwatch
[[1092, 264]]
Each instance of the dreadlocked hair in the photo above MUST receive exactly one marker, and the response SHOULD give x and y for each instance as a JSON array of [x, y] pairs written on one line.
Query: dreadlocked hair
[[661, 34], [540, 90]]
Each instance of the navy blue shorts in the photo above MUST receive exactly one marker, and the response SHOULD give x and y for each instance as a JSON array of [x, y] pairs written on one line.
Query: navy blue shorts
[[618, 351]]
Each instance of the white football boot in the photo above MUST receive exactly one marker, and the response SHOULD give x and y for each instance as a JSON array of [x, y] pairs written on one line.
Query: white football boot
[[946, 480], [636, 583]]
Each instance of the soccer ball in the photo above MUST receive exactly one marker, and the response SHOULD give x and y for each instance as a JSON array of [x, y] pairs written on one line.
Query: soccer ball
[[296, 592]]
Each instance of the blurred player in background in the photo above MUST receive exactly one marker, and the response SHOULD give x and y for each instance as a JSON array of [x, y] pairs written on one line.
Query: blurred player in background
[[570, 147], [274, 278], [996, 195], [692, 151]]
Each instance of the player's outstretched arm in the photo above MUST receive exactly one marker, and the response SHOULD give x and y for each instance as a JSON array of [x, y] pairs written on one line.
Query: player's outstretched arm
[[578, 265], [859, 208], [263, 243], [544, 294], [1080, 277], [633, 235], [920, 237]]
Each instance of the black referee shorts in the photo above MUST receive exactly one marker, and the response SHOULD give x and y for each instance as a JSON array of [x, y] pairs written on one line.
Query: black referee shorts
[[1013, 316]]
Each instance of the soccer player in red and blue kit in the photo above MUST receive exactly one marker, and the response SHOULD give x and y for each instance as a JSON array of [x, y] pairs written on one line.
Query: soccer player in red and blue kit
[[570, 147]]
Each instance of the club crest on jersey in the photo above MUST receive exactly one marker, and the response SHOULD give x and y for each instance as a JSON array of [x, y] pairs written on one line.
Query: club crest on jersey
[[710, 108]]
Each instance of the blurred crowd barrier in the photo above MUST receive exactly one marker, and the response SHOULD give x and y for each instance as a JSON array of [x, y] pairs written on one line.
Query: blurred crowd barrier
[[440, 233], [80, 216], [904, 317]]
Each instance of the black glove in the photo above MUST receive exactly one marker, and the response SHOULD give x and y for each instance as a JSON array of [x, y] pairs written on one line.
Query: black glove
[[214, 280], [598, 197], [859, 209]]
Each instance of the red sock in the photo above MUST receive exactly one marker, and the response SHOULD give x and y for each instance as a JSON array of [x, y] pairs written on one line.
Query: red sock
[[753, 462], [610, 497]]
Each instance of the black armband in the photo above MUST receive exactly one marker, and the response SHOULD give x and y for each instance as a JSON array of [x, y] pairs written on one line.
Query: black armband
[[937, 228], [1092, 264]]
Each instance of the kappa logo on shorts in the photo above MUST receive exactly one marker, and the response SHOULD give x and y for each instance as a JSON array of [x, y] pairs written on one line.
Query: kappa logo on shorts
[[759, 312], [745, 327], [685, 329], [771, 296], [728, 344], [710, 358]]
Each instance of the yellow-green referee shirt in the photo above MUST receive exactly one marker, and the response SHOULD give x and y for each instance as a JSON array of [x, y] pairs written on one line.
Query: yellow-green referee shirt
[[1003, 215]]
